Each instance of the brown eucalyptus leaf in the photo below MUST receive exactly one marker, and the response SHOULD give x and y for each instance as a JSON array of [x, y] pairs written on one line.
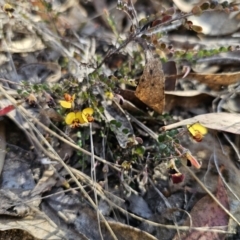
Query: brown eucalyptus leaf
[[207, 213], [127, 105], [186, 99], [150, 89], [215, 81], [222, 121], [130, 96]]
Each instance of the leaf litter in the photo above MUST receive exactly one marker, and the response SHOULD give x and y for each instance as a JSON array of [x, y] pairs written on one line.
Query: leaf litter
[[207, 213], [114, 151]]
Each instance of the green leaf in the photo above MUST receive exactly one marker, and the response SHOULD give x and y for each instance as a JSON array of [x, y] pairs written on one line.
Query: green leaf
[[113, 122], [45, 87], [162, 137], [173, 132], [162, 146], [140, 150], [125, 130], [118, 124], [36, 87], [19, 91], [205, 6], [25, 94], [101, 110]]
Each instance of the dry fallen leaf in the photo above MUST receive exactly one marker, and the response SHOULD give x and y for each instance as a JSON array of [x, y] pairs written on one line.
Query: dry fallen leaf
[[38, 226], [130, 96], [215, 81], [150, 89], [207, 213], [222, 121], [186, 99]]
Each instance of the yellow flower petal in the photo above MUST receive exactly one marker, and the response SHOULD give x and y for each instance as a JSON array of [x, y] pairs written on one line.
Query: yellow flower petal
[[73, 97], [65, 104], [83, 118], [197, 128], [109, 95], [88, 111], [70, 118]]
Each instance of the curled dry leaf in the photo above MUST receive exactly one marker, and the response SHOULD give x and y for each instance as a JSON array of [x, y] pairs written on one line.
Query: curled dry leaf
[[207, 213], [130, 96], [150, 89], [215, 81], [222, 121]]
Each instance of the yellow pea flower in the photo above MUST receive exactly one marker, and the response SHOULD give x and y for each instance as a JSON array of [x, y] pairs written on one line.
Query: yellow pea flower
[[68, 102], [75, 119], [87, 115], [197, 131]]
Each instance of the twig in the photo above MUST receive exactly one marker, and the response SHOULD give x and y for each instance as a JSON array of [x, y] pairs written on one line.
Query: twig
[[93, 176]]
